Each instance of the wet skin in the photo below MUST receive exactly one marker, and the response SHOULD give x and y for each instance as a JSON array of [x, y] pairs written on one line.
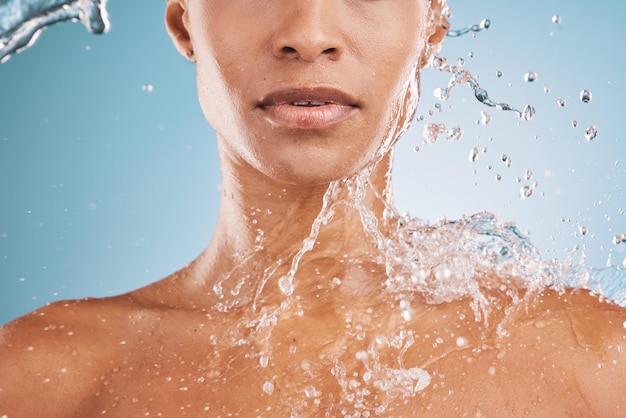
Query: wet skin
[[302, 94]]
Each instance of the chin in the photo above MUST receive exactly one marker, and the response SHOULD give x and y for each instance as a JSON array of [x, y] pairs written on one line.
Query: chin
[[312, 171]]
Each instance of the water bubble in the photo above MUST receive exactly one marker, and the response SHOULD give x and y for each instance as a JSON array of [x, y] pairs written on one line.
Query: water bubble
[[556, 19], [591, 132], [498, 73], [574, 124], [147, 88], [485, 118], [506, 160], [473, 156], [498, 177], [560, 102], [471, 54], [583, 230], [546, 89], [585, 96], [460, 62], [530, 77], [416, 148]]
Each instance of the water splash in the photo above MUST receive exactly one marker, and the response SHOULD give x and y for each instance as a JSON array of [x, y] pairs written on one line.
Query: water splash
[[483, 25], [21, 22], [461, 76]]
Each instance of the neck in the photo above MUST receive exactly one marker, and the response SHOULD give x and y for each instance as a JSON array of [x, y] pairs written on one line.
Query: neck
[[259, 215]]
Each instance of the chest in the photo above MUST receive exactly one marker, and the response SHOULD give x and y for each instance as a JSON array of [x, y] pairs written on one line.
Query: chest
[[331, 374]]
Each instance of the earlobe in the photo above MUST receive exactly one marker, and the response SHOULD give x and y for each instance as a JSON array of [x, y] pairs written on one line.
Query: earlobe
[[177, 28]]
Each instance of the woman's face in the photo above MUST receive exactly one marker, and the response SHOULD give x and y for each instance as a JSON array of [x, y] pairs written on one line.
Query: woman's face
[[304, 91]]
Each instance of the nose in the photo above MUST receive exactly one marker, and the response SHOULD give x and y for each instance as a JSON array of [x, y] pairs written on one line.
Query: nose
[[309, 31]]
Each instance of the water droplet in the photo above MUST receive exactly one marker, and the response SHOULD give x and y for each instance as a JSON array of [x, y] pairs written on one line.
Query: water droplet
[[506, 160], [560, 102], [285, 284], [147, 88], [619, 239], [546, 89], [498, 73], [455, 134], [583, 230], [405, 308], [528, 174], [268, 387], [460, 62], [574, 124], [470, 54], [591, 132], [498, 177], [432, 131], [461, 342], [525, 192], [585, 96], [416, 148], [485, 118], [473, 156], [264, 361], [528, 113], [556, 19], [530, 77], [441, 93]]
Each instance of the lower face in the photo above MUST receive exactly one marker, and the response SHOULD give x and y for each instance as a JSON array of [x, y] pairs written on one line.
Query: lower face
[[305, 92]]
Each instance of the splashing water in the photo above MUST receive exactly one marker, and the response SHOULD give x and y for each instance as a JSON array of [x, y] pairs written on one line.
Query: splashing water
[[461, 76], [483, 25], [469, 258], [21, 22]]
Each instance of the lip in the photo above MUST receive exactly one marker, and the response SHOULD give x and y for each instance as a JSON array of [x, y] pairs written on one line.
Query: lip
[[318, 107]]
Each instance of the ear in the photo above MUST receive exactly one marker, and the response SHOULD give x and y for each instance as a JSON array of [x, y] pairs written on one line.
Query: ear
[[177, 25], [438, 29]]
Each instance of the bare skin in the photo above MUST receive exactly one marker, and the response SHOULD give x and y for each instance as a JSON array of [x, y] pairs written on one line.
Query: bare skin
[[176, 348]]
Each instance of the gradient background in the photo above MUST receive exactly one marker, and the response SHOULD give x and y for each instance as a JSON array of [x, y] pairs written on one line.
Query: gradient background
[[105, 187]]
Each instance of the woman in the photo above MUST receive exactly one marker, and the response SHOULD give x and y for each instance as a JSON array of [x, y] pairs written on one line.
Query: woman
[[299, 306]]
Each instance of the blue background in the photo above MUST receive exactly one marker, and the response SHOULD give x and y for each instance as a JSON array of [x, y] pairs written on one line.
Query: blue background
[[106, 187]]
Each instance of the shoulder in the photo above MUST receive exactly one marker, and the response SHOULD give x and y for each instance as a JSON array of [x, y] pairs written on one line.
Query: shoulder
[[577, 341], [53, 355]]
